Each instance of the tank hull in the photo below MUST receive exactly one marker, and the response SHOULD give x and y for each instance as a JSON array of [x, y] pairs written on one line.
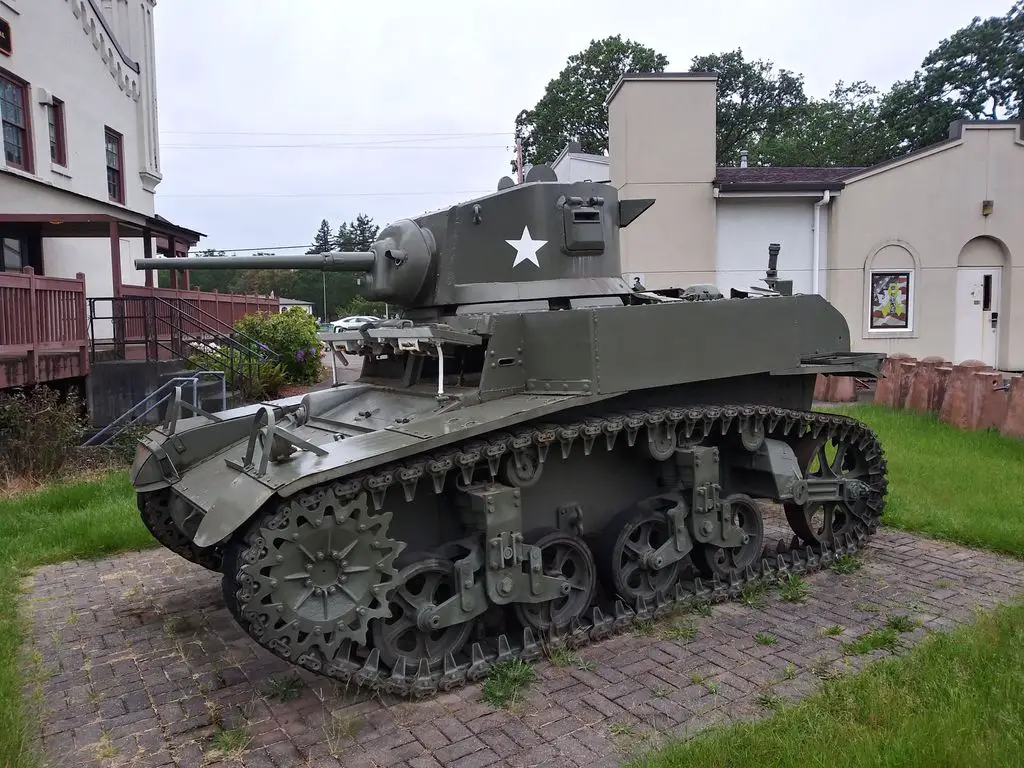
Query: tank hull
[[549, 477]]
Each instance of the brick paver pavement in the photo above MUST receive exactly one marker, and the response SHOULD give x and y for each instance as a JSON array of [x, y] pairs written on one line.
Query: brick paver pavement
[[136, 662]]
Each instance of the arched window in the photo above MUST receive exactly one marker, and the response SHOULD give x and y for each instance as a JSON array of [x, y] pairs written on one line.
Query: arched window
[[890, 291]]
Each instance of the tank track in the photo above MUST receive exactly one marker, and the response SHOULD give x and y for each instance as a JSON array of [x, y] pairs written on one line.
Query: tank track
[[155, 511], [607, 615]]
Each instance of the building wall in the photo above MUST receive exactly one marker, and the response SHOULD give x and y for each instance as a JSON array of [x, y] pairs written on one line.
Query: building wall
[[922, 220], [64, 50], [64, 257], [572, 167], [745, 226], [662, 146]]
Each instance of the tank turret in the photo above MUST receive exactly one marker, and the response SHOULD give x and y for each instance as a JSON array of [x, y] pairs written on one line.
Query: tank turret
[[534, 452], [530, 242]]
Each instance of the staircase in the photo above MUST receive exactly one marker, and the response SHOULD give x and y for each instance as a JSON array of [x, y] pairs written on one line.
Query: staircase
[[143, 347]]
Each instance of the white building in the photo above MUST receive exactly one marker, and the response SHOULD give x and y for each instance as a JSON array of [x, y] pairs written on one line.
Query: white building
[[921, 254], [573, 164], [81, 159], [78, 175], [286, 304]]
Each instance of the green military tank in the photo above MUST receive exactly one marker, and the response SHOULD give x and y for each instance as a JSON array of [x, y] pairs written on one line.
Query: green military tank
[[535, 453]]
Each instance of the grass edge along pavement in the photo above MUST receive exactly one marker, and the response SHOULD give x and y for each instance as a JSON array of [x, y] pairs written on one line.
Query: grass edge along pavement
[[957, 698], [928, 462], [84, 519], [958, 486]]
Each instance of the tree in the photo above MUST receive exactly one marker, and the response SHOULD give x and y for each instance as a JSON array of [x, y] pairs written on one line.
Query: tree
[[975, 73], [843, 130], [572, 107], [323, 241], [356, 235], [753, 101], [978, 67]]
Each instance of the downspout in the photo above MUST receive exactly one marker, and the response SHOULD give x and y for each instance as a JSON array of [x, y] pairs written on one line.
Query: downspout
[[816, 258]]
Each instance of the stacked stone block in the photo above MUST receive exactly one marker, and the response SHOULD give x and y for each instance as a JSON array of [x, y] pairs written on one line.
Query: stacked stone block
[[970, 395]]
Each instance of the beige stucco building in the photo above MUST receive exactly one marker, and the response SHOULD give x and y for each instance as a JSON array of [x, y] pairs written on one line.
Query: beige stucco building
[[923, 254]]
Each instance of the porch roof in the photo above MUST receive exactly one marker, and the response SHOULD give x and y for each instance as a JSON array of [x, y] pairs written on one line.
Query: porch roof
[[98, 225]]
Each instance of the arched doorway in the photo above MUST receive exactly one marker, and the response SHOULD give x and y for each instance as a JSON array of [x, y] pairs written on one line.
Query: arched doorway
[[979, 299]]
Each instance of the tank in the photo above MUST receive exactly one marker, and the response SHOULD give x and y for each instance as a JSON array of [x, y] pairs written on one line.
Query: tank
[[538, 452]]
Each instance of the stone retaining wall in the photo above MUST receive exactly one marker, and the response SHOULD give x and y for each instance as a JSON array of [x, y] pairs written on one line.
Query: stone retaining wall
[[970, 395]]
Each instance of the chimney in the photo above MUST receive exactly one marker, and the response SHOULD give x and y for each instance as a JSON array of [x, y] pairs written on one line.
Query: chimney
[[743, 158]]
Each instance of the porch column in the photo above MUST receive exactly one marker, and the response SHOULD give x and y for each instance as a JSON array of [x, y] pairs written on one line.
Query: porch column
[[184, 273], [172, 252], [115, 258], [147, 252]]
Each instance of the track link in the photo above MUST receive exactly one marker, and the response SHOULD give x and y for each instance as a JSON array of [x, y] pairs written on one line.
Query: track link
[[348, 663], [155, 511]]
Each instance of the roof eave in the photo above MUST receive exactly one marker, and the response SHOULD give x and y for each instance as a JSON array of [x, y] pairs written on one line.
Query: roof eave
[[780, 186]]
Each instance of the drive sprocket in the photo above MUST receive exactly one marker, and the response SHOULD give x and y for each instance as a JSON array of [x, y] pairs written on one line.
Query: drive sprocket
[[316, 572]]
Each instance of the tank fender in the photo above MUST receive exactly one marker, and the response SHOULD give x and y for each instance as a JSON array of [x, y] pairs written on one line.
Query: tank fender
[[231, 509], [246, 493]]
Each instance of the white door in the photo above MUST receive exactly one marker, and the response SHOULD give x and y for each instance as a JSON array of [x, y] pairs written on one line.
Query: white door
[[977, 314]]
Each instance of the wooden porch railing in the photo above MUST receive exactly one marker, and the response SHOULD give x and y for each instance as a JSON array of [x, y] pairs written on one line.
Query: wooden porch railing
[[44, 324], [227, 308]]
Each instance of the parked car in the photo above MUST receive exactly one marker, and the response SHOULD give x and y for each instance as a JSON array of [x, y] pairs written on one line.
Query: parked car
[[353, 322]]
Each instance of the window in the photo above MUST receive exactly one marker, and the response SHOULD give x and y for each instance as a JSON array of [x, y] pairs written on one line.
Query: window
[[115, 170], [14, 117], [13, 250], [58, 136]]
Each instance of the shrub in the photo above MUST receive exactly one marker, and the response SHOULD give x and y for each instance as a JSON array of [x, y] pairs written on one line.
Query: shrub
[[360, 306], [39, 430], [292, 334], [253, 381]]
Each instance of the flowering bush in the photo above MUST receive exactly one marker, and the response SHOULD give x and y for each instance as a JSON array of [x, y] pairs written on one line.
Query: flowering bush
[[292, 335]]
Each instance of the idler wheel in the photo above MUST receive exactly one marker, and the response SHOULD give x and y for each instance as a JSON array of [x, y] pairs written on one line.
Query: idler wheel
[[823, 522], [568, 556], [423, 585], [728, 561], [627, 555], [158, 511]]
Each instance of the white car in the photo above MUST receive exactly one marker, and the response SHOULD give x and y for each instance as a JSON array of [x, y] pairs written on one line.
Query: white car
[[353, 323]]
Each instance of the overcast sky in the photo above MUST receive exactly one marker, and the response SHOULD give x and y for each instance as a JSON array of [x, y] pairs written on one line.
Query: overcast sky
[[417, 101]]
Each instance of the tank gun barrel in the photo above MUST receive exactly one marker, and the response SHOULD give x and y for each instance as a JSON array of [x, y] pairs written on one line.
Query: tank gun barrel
[[334, 261]]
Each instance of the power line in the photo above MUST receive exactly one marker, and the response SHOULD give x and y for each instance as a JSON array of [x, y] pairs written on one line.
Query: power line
[[389, 147], [334, 194], [341, 133], [266, 249]]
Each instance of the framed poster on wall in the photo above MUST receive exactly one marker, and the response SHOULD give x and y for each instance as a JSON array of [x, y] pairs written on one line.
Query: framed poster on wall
[[890, 301]]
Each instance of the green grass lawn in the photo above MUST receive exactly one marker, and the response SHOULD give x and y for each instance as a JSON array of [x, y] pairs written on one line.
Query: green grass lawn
[[69, 521], [954, 700], [966, 487], [958, 698], [955, 697]]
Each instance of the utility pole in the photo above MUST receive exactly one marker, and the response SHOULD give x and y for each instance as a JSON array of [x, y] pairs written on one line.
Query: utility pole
[[519, 161]]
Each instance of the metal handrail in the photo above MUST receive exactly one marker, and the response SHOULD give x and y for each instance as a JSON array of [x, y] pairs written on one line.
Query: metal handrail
[[251, 355], [230, 334], [168, 386]]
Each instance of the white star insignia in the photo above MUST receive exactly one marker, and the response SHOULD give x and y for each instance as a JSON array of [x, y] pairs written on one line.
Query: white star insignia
[[526, 248]]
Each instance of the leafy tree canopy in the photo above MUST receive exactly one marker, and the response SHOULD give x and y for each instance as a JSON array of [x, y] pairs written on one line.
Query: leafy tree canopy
[[572, 107], [975, 73]]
